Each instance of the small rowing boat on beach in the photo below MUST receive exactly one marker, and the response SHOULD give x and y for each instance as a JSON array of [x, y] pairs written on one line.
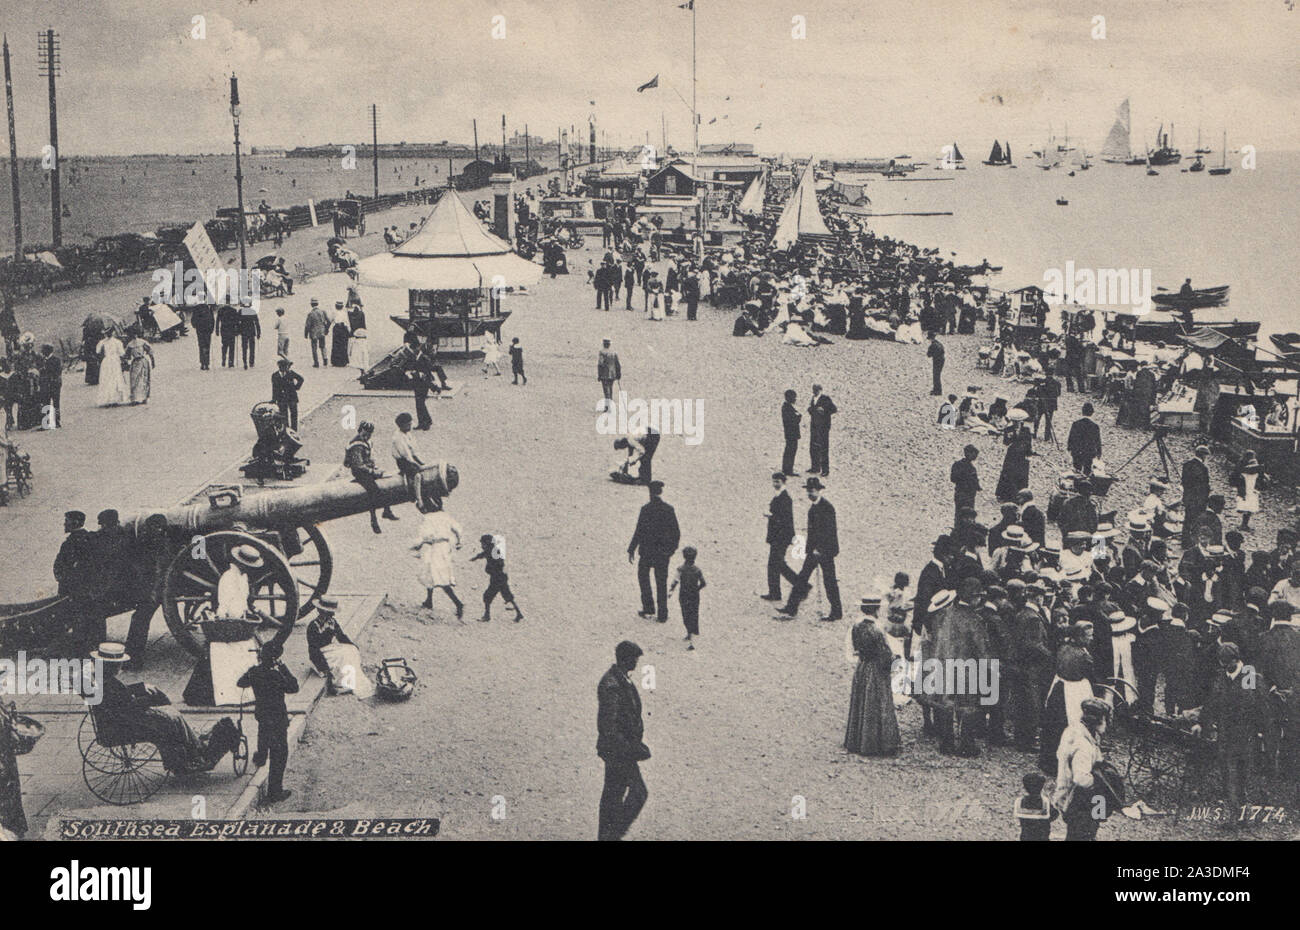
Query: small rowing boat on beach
[[1194, 299], [1159, 327], [1287, 345]]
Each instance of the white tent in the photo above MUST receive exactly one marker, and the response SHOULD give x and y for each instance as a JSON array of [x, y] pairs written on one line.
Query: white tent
[[752, 202], [451, 251], [801, 216]]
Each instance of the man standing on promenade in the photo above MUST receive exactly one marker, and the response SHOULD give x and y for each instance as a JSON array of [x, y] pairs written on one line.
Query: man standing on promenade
[[657, 535], [608, 370], [250, 330], [284, 391], [619, 732], [780, 532], [819, 431], [935, 353], [629, 282], [965, 482], [315, 331], [271, 680], [204, 321], [50, 382], [1196, 492], [228, 329], [790, 418], [1084, 442], [822, 545]]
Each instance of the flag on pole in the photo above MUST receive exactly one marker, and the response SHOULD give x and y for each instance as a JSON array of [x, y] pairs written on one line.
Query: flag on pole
[[653, 82], [759, 126], [688, 5], [712, 121]]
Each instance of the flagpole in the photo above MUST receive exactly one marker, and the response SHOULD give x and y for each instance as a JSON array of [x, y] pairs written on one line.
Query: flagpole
[[695, 123]]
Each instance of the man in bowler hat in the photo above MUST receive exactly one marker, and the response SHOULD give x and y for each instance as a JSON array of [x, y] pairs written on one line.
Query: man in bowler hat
[[821, 547]]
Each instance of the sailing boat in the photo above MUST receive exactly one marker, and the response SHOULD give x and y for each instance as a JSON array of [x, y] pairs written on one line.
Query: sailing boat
[[958, 158], [1151, 172], [1198, 165], [1199, 150], [997, 156], [1223, 165], [1047, 159], [1116, 149], [1065, 146], [1081, 159]]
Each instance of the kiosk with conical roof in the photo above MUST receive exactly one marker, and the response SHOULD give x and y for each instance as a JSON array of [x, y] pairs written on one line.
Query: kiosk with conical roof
[[454, 274]]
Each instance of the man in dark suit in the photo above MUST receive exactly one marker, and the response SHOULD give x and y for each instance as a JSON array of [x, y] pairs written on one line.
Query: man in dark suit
[[284, 391], [1235, 707], [72, 565], [204, 320], [822, 545], [271, 680], [1079, 513], [228, 330], [965, 482], [820, 412], [50, 382], [1196, 491], [1032, 519], [656, 536], [1084, 442], [1279, 664], [790, 418], [780, 531], [935, 353], [933, 579], [619, 732]]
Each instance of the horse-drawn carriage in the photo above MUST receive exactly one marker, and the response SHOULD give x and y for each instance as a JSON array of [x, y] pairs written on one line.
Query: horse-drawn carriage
[[349, 215]]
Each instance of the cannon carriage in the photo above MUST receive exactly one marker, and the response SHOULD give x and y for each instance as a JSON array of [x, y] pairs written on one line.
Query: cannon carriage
[[191, 547]]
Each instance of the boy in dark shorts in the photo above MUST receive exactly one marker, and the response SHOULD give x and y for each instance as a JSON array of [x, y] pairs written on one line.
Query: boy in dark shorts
[[692, 583], [517, 361], [498, 580]]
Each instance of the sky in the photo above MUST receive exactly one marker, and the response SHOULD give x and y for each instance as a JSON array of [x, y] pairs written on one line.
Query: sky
[[869, 77]]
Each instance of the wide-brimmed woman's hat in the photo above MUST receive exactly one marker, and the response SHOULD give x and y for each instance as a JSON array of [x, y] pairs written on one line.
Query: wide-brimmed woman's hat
[[941, 600], [113, 653], [247, 556]]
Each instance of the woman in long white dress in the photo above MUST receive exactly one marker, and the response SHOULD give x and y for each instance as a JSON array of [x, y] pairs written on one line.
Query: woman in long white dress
[[112, 388], [491, 354], [1244, 478], [438, 530]]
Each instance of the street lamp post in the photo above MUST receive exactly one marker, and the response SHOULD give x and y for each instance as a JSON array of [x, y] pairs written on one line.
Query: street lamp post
[[239, 174]]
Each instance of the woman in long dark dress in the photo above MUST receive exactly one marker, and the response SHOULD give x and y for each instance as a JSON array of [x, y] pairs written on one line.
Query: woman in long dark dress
[[1015, 466], [12, 818], [873, 727], [340, 333]]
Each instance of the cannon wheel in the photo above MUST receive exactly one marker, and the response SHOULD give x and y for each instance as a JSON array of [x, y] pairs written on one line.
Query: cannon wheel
[[312, 568], [191, 583]]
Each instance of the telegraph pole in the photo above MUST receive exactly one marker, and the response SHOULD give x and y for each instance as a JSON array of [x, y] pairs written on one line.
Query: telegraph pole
[[239, 174], [47, 57], [13, 160], [374, 144]]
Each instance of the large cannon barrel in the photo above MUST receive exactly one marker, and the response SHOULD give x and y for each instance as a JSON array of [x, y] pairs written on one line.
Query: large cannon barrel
[[300, 506]]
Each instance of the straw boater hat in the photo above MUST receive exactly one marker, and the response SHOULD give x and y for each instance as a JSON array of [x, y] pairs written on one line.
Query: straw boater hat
[[1155, 484], [1120, 622], [112, 653], [870, 605], [1106, 531], [1017, 415], [1077, 537], [941, 600], [1139, 521], [247, 556]]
